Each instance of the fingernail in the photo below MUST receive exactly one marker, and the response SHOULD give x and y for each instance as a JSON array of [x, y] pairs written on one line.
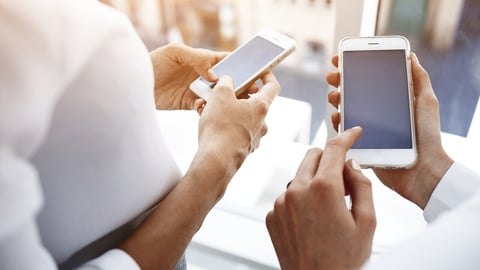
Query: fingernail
[[355, 165], [212, 74], [415, 58]]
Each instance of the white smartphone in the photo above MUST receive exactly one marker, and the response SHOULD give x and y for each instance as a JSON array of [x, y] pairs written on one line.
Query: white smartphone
[[249, 62], [376, 94]]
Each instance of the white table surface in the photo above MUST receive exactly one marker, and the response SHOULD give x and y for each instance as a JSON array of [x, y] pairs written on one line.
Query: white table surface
[[236, 225]]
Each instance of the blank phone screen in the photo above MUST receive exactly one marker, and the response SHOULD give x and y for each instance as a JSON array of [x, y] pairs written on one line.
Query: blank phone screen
[[375, 89], [247, 60]]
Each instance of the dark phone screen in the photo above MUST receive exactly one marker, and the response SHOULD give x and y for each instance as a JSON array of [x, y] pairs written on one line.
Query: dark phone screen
[[376, 98], [247, 60]]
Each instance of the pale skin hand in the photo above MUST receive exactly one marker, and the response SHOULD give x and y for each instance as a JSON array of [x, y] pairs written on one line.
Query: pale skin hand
[[311, 226], [229, 130], [175, 67], [418, 182], [249, 114]]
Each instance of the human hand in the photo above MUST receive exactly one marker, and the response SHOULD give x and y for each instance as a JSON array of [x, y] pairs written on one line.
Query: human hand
[[418, 182], [233, 127], [175, 67], [311, 226], [229, 128]]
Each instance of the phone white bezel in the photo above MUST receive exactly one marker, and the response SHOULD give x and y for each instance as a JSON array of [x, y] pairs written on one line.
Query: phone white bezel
[[201, 89], [380, 158]]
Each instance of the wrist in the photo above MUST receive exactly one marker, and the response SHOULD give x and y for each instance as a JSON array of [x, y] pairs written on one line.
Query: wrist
[[213, 167], [229, 149], [427, 179]]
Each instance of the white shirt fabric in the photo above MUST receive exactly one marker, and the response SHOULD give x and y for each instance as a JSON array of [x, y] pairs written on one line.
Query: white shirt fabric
[[452, 237], [81, 152]]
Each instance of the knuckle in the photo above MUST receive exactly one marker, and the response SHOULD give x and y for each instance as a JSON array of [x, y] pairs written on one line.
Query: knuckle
[[424, 74], [222, 87], [264, 129], [429, 102], [270, 218], [314, 151], [321, 185], [367, 218], [433, 101], [365, 182], [261, 107], [334, 143], [291, 197], [370, 221], [279, 203], [177, 47]]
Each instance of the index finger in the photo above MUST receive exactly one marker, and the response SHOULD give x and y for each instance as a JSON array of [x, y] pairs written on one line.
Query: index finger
[[269, 90], [333, 158], [308, 168]]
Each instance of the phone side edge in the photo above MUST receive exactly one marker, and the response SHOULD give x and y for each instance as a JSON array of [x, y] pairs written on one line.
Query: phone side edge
[[200, 89]]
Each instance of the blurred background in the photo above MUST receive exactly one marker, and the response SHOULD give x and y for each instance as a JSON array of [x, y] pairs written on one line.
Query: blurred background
[[445, 34]]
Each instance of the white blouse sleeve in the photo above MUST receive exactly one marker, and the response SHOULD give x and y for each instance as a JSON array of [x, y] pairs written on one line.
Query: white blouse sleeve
[[112, 259], [452, 238], [39, 55], [452, 241], [457, 185], [28, 91]]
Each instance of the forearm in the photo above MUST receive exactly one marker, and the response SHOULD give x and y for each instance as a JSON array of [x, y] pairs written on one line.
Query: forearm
[[162, 239], [428, 178]]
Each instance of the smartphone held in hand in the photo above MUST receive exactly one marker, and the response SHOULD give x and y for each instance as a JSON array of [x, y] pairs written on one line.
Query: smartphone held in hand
[[249, 62], [376, 91]]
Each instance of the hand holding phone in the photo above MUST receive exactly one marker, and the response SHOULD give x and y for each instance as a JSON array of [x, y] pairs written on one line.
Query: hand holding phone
[[248, 62], [376, 93]]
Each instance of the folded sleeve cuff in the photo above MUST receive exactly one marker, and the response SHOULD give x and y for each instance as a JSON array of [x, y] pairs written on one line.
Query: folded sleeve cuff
[[457, 185], [113, 259]]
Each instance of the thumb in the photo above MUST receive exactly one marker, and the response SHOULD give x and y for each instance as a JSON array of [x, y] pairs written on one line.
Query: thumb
[[360, 189], [203, 61], [223, 87], [199, 105]]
